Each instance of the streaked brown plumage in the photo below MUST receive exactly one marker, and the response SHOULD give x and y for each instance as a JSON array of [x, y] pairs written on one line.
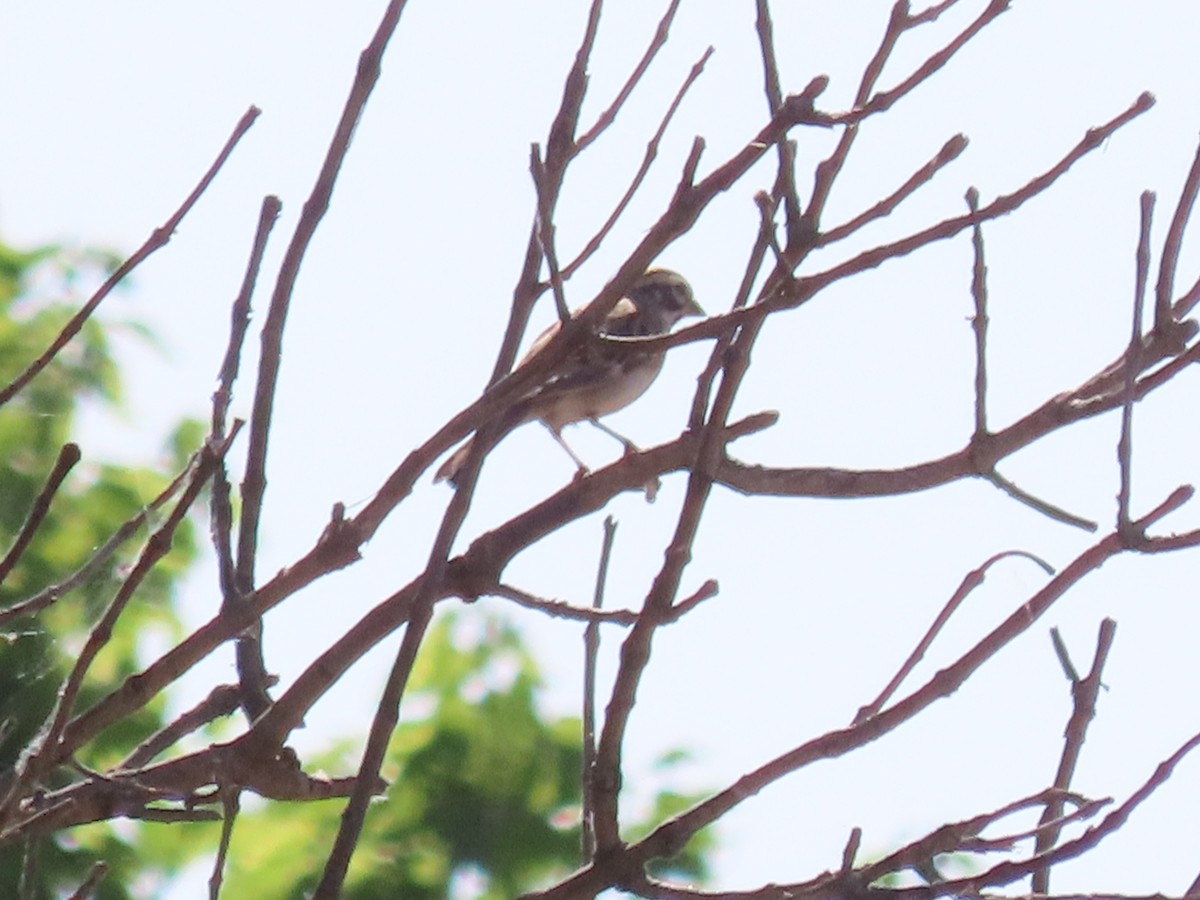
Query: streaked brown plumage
[[595, 380]]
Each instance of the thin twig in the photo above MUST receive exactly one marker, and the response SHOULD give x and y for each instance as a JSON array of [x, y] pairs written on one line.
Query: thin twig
[[591, 654], [706, 591], [231, 803], [609, 115], [670, 836], [884, 100], [1083, 693], [972, 580], [544, 230], [68, 456], [931, 14], [850, 851], [561, 609], [979, 323], [1010, 871], [950, 151], [1045, 507], [785, 170], [1164, 315], [222, 700], [158, 239], [47, 750], [560, 149], [806, 287], [239, 314], [764, 240], [102, 555], [865, 104], [1132, 364], [648, 158], [249, 651]]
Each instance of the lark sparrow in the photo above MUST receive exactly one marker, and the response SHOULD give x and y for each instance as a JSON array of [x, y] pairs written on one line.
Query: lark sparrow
[[596, 379]]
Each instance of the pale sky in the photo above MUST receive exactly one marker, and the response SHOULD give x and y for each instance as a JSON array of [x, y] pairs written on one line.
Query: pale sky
[[112, 112]]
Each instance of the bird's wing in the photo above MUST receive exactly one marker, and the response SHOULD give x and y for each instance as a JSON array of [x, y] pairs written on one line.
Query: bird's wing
[[618, 322]]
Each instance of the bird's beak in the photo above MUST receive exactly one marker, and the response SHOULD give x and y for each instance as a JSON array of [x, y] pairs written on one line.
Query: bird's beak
[[693, 308]]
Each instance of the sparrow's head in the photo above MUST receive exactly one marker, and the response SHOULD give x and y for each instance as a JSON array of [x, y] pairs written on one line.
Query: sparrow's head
[[662, 298]]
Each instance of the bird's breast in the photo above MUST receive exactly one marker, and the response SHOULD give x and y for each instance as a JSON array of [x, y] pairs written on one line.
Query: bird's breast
[[615, 390]]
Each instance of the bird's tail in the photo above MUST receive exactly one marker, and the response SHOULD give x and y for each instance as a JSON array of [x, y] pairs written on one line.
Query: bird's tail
[[516, 416]]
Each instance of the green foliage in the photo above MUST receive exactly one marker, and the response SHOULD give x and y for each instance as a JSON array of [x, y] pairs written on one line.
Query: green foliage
[[484, 798], [36, 652]]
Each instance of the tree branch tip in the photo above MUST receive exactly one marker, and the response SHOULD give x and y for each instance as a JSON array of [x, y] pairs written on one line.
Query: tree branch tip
[[850, 851], [953, 147], [813, 89], [536, 166], [70, 453], [1032, 557], [1144, 101], [754, 423], [1177, 335], [692, 163], [972, 197]]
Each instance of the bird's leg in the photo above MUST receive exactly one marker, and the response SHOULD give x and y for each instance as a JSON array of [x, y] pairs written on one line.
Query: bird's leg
[[651, 487], [557, 435], [630, 446]]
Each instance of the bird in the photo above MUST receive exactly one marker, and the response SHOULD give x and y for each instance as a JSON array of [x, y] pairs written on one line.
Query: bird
[[596, 379]]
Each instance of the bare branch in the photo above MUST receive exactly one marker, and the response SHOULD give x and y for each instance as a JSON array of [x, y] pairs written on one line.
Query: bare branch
[[979, 321], [47, 750], [609, 115], [1132, 364], [158, 239], [973, 580], [591, 652], [648, 158], [806, 287], [1084, 693], [668, 838], [100, 557], [1165, 315], [951, 150], [230, 800], [68, 456], [251, 667]]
